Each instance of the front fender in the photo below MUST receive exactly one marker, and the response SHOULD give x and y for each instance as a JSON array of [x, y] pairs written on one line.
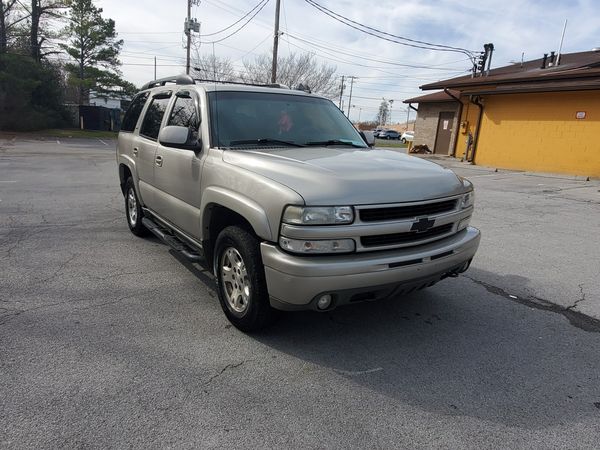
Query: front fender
[[239, 203]]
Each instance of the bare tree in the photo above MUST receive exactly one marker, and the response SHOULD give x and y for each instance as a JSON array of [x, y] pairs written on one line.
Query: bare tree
[[293, 70], [43, 12], [11, 15], [211, 67], [383, 114]]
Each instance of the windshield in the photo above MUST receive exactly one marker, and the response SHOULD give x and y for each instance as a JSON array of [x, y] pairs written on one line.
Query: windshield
[[241, 119]]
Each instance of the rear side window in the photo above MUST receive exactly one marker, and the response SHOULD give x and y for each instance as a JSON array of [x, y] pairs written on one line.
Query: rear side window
[[153, 117], [133, 112]]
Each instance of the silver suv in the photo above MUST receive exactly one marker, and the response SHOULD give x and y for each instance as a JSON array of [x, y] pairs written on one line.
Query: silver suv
[[284, 201]]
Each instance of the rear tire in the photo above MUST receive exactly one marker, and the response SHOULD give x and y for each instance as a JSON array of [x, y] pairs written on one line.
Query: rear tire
[[403, 140], [133, 210], [240, 278]]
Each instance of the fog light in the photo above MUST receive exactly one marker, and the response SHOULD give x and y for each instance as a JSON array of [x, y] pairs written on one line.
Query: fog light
[[324, 301]]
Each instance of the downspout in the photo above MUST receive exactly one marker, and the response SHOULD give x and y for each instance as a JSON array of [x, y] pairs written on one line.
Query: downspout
[[413, 108], [460, 110], [475, 100]]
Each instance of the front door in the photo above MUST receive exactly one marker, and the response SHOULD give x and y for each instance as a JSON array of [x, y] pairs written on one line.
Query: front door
[[177, 176], [444, 133]]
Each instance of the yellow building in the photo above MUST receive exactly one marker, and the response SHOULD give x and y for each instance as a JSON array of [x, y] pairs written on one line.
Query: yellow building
[[542, 115]]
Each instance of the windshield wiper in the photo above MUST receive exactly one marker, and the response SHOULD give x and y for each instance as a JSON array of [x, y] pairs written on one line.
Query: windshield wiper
[[264, 141], [335, 142]]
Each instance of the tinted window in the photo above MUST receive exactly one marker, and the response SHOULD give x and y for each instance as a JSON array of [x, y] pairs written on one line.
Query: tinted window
[[252, 116], [184, 113], [133, 112], [153, 117]]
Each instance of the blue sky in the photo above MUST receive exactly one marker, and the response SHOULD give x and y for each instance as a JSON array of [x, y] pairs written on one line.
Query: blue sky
[[154, 28]]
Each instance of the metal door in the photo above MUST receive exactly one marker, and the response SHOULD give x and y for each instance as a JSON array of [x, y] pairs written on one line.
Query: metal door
[[177, 171], [444, 133]]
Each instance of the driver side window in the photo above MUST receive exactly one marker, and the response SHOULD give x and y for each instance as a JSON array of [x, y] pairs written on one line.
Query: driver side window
[[185, 114]]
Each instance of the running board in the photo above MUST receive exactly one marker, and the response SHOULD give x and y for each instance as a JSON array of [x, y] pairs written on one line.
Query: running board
[[172, 241]]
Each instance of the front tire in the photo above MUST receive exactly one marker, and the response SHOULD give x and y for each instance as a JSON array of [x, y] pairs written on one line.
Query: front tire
[[240, 278], [133, 210]]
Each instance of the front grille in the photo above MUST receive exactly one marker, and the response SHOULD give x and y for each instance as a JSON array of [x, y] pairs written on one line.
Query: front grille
[[406, 212], [404, 238]]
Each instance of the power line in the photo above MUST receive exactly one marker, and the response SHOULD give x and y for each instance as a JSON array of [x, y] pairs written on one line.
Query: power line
[[412, 66], [365, 29], [237, 21], [240, 28]]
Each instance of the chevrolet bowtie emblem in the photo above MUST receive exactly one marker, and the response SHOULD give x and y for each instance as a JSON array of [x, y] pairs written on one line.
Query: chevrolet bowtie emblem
[[422, 225]]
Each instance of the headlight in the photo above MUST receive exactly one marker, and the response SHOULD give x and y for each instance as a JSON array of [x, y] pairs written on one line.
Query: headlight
[[317, 246], [468, 200], [318, 215]]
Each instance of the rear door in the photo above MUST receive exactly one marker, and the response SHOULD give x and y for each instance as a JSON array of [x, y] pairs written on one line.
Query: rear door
[[145, 145], [177, 177]]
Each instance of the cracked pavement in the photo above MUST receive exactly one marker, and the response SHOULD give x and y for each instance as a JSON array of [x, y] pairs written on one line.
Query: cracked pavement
[[108, 340]]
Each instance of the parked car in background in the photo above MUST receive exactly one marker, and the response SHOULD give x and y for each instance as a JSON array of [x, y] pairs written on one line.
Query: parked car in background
[[407, 136], [388, 134]]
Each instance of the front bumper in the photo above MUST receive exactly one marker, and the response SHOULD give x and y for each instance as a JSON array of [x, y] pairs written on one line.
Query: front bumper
[[294, 282]]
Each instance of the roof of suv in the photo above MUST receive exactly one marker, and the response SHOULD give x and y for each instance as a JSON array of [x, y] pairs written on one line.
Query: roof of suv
[[186, 82]]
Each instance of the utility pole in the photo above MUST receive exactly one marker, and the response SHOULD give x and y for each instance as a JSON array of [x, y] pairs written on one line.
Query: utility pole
[[188, 32], [391, 103], [189, 26], [341, 93], [352, 77], [407, 116], [155, 68], [275, 43]]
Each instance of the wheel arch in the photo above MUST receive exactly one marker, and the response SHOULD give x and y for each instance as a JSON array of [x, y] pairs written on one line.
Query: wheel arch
[[222, 208]]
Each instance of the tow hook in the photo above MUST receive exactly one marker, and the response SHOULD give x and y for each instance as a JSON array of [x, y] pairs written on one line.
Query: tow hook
[[457, 271]]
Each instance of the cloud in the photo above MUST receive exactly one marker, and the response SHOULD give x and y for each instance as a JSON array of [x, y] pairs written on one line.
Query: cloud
[[514, 26]]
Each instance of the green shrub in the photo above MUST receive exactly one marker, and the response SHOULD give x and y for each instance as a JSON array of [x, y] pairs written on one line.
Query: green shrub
[[31, 94]]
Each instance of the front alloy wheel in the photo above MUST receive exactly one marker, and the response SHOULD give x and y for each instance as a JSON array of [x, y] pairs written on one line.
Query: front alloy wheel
[[235, 280], [240, 277]]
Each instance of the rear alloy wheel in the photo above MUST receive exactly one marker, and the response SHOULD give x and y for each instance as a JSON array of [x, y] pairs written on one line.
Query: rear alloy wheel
[[240, 278], [133, 210]]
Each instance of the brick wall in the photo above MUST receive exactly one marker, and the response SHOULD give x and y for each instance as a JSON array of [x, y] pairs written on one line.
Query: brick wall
[[427, 122]]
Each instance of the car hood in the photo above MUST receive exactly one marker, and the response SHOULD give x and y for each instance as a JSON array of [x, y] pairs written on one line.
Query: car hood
[[339, 176]]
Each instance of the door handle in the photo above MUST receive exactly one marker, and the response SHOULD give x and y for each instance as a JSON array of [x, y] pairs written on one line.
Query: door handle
[[158, 160], [135, 151]]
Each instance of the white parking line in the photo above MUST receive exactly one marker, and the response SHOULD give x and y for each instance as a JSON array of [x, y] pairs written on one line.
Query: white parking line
[[102, 141], [58, 142], [8, 181]]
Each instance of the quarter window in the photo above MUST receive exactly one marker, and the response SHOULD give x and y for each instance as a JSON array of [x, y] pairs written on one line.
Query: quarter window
[[133, 112], [154, 116]]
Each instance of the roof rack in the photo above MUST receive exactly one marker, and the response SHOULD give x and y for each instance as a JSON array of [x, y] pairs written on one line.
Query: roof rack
[[271, 85], [178, 79]]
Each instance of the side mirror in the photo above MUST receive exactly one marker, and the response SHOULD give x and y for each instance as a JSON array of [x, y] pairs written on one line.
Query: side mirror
[[178, 137], [368, 137]]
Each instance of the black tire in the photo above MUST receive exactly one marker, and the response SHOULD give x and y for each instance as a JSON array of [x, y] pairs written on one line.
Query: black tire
[[247, 310], [133, 210], [403, 140]]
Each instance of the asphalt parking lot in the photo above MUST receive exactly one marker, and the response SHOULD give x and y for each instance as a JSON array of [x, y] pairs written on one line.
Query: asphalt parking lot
[[108, 340]]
